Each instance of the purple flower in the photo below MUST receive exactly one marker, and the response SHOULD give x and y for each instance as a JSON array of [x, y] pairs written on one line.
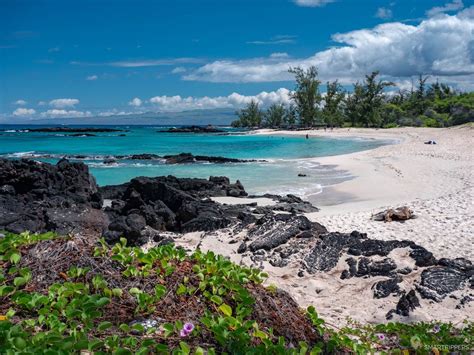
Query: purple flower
[[436, 328], [187, 329], [381, 336]]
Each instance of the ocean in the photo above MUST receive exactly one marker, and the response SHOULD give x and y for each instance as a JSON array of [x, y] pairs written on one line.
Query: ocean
[[285, 156]]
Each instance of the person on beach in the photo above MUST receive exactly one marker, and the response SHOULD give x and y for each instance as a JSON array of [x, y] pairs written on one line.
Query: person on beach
[[307, 137]]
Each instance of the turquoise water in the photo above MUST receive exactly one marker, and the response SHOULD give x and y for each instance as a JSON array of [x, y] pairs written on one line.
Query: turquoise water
[[286, 156]]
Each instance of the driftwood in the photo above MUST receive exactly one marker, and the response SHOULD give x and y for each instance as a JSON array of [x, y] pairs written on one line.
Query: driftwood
[[397, 214]]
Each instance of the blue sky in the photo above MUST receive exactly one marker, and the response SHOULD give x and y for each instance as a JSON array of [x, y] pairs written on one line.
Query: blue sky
[[62, 59]]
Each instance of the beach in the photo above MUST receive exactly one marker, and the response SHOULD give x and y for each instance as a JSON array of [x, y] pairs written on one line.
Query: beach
[[435, 181]]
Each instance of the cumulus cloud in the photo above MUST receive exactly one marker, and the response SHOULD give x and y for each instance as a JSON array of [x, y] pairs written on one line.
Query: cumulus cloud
[[92, 77], [22, 112], [135, 102], [62, 103], [455, 5], [20, 102], [55, 113], [440, 46], [234, 100], [312, 3], [383, 13]]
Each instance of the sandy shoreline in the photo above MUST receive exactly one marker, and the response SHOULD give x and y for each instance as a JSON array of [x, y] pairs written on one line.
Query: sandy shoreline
[[434, 180]]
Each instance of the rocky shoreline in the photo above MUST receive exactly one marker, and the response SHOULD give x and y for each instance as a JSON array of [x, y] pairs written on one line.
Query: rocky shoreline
[[193, 129], [64, 198], [181, 158]]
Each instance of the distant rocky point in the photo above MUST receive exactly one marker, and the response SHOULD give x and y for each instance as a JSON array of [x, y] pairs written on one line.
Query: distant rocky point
[[73, 129], [193, 129]]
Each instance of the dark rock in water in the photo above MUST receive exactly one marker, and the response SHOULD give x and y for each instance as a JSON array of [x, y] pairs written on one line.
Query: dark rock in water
[[187, 158], [144, 156], [109, 161], [41, 197], [397, 214], [274, 230], [302, 175], [193, 129], [384, 288], [73, 130], [407, 303]]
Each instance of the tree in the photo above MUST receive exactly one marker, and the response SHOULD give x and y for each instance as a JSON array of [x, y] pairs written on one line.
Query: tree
[[250, 116], [332, 112], [373, 99], [420, 96], [275, 115], [353, 105], [306, 95], [290, 115]]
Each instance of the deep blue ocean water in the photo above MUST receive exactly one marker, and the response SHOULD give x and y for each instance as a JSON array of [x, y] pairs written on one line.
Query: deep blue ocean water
[[286, 156]]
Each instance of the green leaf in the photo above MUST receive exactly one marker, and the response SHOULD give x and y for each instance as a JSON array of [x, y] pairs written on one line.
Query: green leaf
[[216, 299], [15, 258], [102, 301], [122, 351], [184, 348], [117, 292], [199, 351], [4, 290], [226, 309], [19, 343], [19, 281], [103, 326]]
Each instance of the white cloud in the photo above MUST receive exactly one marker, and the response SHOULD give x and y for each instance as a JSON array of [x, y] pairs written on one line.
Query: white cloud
[[234, 100], [55, 113], [384, 13], [279, 55], [178, 70], [115, 112], [20, 102], [440, 46], [313, 3], [455, 5], [42, 103], [21, 112], [135, 102], [280, 39], [62, 103], [92, 77], [143, 62]]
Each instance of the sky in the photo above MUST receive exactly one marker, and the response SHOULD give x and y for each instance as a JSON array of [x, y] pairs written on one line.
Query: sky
[[63, 59]]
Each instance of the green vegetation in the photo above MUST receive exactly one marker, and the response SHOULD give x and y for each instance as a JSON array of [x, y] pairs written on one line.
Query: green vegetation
[[369, 104], [62, 295]]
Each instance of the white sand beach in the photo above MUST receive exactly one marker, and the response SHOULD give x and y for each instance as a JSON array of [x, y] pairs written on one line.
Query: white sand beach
[[435, 181]]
